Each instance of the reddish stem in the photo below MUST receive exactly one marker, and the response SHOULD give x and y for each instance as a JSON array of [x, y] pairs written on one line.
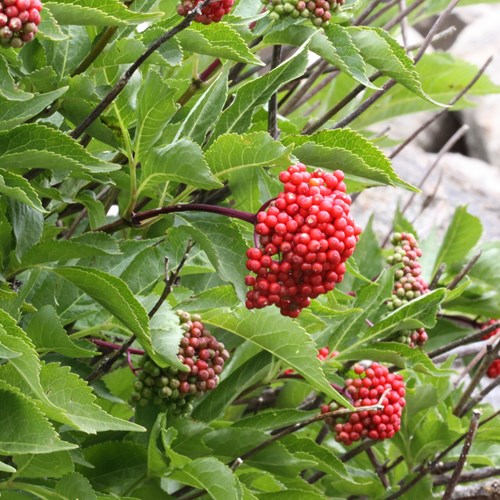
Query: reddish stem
[[116, 347], [194, 207], [207, 72]]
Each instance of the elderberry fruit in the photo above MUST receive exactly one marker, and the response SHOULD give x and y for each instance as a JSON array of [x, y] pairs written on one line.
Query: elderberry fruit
[[19, 20], [319, 12], [305, 236], [493, 370], [408, 282], [212, 13], [366, 389], [200, 352]]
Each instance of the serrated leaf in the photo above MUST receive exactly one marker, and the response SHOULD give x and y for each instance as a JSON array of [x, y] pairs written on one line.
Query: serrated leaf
[[334, 44], [233, 152], [75, 485], [218, 40], [420, 312], [48, 335], [35, 144], [48, 28], [267, 328], [56, 464], [155, 107], [462, 235], [181, 161], [13, 113], [97, 13], [206, 111], [24, 428], [18, 188], [6, 353], [68, 391], [248, 374], [8, 87], [237, 117], [357, 157], [383, 52], [115, 296], [209, 474], [27, 225]]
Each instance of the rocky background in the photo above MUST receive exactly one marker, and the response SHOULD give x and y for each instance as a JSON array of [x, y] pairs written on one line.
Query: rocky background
[[470, 174]]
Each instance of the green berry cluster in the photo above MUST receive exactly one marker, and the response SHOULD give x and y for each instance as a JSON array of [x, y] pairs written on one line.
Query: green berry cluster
[[204, 358], [318, 11], [408, 282]]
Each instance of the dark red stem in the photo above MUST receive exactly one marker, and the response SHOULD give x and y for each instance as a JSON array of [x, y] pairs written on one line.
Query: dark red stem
[[115, 347], [207, 72], [194, 207]]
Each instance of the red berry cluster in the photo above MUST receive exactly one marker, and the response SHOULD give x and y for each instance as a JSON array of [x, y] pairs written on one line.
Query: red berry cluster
[[309, 230], [494, 369], [323, 354], [19, 20], [318, 11], [366, 390], [212, 13], [409, 283], [200, 352]]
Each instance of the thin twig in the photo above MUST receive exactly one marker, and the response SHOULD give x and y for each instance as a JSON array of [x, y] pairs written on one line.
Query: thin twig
[[491, 354], [470, 476], [404, 24], [378, 468], [272, 124], [435, 280], [125, 78], [476, 415], [461, 275], [369, 9], [460, 352], [464, 340], [477, 399], [381, 12], [438, 115]]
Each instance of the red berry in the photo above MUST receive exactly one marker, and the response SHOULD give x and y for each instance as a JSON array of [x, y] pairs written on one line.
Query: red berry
[[213, 12]]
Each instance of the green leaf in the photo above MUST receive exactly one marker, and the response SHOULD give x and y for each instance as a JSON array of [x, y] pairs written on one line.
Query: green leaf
[[24, 428], [27, 224], [68, 391], [357, 157], [115, 296], [213, 232], [181, 161], [48, 335], [96, 12], [6, 468], [86, 245], [218, 40], [117, 466], [6, 353], [245, 376], [383, 52], [14, 113], [18, 188], [461, 237], [156, 105], [48, 28], [45, 147], [55, 464], [418, 313], [334, 44], [274, 419], [211, 475], [267, 328], [232, 152], [206, 111], [237, 117], [8, 87], [75, 485]]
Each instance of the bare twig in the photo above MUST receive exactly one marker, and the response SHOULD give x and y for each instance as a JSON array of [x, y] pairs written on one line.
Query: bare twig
[[369, 9], [489, 489], [476, 415], [370, 20], [378, 468], [470, 476], [460, 352], [477, 399], [460, 276], [435, 280], [272, 125], [464, 340], [125, 78], [438, 115]]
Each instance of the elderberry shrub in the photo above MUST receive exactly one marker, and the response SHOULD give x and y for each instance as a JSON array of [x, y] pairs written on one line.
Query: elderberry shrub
[[212, 13], [305, 237], [318, 11], [367, 390], [200, 352], [494, 369], [19, 20], [409, 283]]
